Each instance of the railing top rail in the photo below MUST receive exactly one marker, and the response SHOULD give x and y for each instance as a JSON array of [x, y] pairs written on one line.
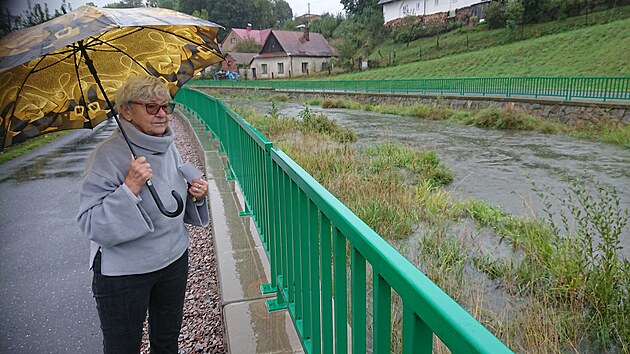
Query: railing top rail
[[332, 79], [258, 137], [452, 324], [566, 87]]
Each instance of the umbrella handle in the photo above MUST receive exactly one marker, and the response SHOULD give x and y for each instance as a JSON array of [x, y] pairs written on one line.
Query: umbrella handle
[[158, 201]]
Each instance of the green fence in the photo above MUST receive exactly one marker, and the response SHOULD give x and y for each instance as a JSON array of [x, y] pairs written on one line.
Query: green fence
[[567, 88], [315, 244]]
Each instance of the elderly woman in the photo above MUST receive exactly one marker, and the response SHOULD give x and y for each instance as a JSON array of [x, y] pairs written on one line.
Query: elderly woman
[[138, 255]]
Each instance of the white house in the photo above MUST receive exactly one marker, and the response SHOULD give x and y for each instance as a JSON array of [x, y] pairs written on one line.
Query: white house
[[395, 9], [289, 53]]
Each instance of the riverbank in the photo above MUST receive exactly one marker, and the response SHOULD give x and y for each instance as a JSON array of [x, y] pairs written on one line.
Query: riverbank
[[512, 273]]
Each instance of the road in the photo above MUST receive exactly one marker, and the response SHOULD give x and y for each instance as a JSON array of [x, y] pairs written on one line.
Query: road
[[46, 303]]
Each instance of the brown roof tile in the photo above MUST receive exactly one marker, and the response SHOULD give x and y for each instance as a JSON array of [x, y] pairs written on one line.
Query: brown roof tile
[[294, 43]]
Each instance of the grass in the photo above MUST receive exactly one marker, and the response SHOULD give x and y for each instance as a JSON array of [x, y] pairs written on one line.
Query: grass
[[595, 50], [371, 188], [560, 288], [479, 37], [22, 148], [545, 56]]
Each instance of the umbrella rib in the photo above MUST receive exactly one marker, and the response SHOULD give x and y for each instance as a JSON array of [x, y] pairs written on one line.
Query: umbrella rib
[[18, 96], [140, 28], [76, 70], [117, 50], [70, 54], [181, 37]]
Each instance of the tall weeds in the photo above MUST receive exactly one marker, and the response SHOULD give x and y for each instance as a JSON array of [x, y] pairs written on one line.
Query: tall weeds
[[563, 284]]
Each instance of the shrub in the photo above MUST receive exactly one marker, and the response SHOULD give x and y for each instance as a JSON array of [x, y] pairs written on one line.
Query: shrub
[[495, 17], [321, 124]]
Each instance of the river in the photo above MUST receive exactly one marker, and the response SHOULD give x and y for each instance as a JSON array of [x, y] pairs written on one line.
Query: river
[[496, 166]]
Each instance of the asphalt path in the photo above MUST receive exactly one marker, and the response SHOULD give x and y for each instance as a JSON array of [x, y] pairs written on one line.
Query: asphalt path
[[46, 303]]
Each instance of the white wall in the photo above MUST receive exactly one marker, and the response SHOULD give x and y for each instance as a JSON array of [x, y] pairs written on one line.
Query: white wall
[[291, 63], [397, 9]]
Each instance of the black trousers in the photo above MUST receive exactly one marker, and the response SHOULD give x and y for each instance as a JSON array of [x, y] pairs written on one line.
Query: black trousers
[[122, 303]]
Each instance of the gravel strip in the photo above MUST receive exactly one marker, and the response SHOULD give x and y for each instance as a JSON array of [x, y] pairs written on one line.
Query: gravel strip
[[202, 328]]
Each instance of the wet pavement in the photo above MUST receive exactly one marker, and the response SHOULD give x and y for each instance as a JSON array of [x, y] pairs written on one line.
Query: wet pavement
[[243, 266], [46, 303]]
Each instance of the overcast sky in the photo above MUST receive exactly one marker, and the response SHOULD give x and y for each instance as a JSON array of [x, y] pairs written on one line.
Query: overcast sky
[[299, 7]]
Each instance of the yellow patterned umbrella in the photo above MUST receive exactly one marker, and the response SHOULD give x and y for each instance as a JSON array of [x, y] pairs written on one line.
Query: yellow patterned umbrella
[[63, 73]]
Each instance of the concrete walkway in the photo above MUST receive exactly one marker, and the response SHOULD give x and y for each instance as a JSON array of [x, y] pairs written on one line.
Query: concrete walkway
[[242, 263]]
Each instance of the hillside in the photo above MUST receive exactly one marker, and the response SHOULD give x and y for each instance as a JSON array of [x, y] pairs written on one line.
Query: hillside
[[597, 50]]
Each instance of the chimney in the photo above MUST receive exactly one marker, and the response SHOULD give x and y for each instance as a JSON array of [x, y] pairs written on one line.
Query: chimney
[[249, 27], [306, 33]]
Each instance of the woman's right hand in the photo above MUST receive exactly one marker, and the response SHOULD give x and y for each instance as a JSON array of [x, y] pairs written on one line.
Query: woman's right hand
[[138, 173]]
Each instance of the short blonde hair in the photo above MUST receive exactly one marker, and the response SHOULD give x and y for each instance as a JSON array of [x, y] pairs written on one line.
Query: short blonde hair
[[141, 88]]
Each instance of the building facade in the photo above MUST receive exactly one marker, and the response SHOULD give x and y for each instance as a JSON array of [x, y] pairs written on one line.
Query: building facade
[[289, 54], [395, 9]]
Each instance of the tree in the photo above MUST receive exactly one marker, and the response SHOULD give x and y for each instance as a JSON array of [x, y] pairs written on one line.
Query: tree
[[534, 10], [9, 22], [260, 13], [494, 15], [326, 24], [514, 12], [282, 12], [188, 6], [356, 7], [125, 4], [203, 14], [168, 4], [247, 45], [35, 14]]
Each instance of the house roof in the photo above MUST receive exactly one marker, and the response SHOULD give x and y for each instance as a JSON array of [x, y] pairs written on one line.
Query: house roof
[[294, 43], [260, 36], [243, 58], [381, 2]]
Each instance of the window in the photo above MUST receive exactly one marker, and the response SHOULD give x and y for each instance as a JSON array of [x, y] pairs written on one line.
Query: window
[[304, 68], [280, 68], [437, 2], [263, 68], [234, 40]]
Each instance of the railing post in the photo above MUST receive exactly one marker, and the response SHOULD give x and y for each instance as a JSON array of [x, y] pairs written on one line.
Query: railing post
[[417, 336], [358, 289], [382, 319], [341, 295], [325, 258]]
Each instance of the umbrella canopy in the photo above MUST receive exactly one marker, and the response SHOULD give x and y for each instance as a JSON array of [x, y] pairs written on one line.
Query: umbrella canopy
[[47, 85], [64, 73]]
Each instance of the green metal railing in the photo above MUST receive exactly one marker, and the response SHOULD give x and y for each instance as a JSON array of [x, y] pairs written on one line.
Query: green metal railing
[[567, 88], [306, 233]]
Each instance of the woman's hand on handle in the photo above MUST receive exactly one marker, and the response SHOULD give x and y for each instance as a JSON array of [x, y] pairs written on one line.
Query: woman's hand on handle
[[138, 173]]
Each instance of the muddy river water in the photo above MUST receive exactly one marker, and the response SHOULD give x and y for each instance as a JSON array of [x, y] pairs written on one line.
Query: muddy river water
[[495, 166]]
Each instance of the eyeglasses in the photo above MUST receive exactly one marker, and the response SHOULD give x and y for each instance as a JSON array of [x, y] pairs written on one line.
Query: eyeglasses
[[154, 108]]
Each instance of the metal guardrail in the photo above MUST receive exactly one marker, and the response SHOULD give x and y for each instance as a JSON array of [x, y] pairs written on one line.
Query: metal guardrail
[[306, 232], [567, 88]]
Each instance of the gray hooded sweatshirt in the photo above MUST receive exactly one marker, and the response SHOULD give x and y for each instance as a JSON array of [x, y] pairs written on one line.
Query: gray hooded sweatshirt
[[133, 235]]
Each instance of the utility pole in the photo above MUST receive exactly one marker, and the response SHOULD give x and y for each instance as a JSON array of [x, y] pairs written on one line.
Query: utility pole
[[309, 9]]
